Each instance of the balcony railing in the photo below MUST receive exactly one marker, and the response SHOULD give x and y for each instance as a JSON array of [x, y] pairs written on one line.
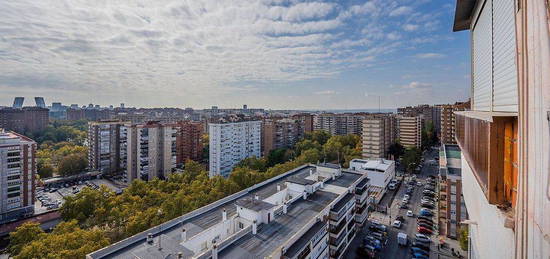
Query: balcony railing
[[489, 144]]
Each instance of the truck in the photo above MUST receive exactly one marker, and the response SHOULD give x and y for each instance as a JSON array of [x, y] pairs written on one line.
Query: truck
[[402, 238]]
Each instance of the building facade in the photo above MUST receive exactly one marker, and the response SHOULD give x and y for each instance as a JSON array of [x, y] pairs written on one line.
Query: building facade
[[36, 118], [104, 146], [150, 150], [339, 124], [308, 212], [232, 142], [306, 119], [505, 137], [409, 131], [448, 121], [378, 135], [26, 119], [282, 133], [17, 176], [189, 141], [452, 211]]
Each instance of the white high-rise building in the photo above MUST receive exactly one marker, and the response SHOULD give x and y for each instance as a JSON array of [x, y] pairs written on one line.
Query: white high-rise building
[[17, 171], [232, 142]]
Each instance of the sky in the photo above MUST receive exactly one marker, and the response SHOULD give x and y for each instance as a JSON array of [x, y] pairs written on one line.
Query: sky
[[271, 54]]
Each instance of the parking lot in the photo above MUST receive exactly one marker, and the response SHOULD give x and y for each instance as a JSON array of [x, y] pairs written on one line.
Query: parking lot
[[53, 196], [393, 200]]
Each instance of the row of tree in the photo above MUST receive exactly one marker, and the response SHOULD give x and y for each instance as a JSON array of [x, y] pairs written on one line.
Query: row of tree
[[100, 217], [61, 149]]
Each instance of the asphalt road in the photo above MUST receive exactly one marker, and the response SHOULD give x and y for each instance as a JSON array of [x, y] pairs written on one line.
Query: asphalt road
[[392, 249]]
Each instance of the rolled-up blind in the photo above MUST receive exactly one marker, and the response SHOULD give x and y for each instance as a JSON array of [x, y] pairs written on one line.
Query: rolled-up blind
[[482, 59], [505, 89]]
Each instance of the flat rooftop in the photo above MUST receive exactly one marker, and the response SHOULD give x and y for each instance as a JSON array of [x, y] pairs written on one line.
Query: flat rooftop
[[268, 238], [273, 235]]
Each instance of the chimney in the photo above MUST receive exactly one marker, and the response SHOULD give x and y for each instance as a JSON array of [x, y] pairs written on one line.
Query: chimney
[[285, 208], [278, 187], [304, 194], [224, 215], [254, 227], [150, 238], [311, 171], [256, 197], [180, 255], [214, 250], [333, 177], [183, 235]]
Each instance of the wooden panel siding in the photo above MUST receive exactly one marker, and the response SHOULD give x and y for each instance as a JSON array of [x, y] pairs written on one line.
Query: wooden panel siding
[[490, 148]]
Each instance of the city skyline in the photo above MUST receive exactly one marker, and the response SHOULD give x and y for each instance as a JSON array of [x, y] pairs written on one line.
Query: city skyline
[[314, 55]]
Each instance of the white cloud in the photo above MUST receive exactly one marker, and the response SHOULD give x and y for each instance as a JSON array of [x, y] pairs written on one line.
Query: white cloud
[[402, 10], [185, 51], [326, 92], [410, 27], [429, 55], [417, 85]]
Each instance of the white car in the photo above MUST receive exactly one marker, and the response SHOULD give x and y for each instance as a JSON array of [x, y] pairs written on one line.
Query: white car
[[410, 213], [396, 224], [419, 183], [406, 196]]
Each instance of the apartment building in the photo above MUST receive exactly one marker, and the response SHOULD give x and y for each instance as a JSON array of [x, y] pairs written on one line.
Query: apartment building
[[17, 172], [339, 124], [150, 150], [306, 119], [308, 212], [379, 171], [430, 113], [189, 141], [448, 121], [409, 131], [232, 142], [104, 146], [378, 135], [505, 138], [281, 133], [452, 211], [26, 119]]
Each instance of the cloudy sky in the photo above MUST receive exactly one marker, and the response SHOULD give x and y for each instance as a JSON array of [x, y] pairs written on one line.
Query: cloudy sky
[[276, 54]]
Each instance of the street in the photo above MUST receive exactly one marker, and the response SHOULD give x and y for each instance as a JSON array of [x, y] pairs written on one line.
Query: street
[[392, 199]]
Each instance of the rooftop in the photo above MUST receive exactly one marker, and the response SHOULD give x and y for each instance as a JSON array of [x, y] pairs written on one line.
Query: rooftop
[[380, 165], [450, 163], [269, 236]]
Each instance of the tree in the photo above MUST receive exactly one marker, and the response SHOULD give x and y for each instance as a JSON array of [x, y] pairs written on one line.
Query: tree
[[396, 150], [23, 235], [320, 136], [411, 158], [67, 240], [72, 164], [463, 238], [276, 156], [44, 168]]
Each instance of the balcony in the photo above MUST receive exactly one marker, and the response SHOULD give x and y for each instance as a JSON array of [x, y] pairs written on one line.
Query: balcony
[[489, 144]]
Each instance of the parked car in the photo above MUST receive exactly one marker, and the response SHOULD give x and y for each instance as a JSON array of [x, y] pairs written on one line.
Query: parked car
[[425, 217], [377, 226], [403, 206], [396, 224], [410, 213], [418, 250], [366, 251], [424, 225], [400, 218], [428, 205], [423, 246], [429, 222], [419, 256], [423, 230]]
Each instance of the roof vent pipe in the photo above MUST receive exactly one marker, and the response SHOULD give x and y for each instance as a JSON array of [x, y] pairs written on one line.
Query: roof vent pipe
[[183, 235], [150, 238]]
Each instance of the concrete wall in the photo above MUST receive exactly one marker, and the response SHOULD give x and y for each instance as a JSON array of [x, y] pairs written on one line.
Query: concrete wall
[[489, 237]]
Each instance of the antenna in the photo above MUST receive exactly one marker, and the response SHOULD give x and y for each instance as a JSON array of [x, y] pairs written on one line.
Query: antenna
[[379, 104]]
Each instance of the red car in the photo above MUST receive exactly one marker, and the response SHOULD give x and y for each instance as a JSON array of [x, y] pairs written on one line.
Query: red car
[[423, 230]]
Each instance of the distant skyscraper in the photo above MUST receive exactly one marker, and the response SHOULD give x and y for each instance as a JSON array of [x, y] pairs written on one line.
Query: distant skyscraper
[[18, 102], [122, 105], [40, 102], [245, 106]]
